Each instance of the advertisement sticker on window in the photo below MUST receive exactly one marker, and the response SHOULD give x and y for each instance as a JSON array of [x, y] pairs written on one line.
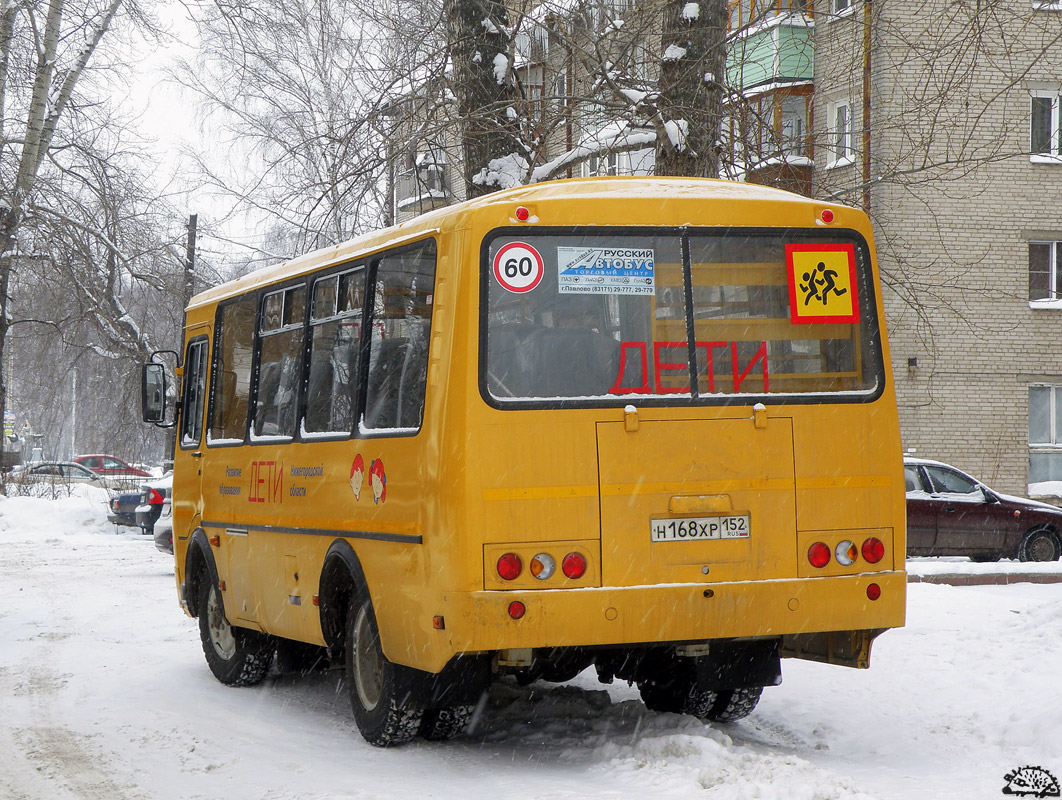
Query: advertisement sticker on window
[[822, 283], [605, 270]]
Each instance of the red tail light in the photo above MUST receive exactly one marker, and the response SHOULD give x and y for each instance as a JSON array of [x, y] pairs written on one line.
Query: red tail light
[[574, 565], [517, 609], [154, 497], [873, 591], [510, 566], [873, 550], [819, 554]]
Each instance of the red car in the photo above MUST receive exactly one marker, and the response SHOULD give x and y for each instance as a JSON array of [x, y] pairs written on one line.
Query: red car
[[951, 514], [109, 465]]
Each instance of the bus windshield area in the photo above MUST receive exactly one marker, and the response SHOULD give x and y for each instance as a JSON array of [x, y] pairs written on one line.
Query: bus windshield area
[[680, 316]]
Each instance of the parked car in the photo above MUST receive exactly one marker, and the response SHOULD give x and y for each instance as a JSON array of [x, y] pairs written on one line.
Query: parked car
[[950, 513], [109, 465], [66, 473], [121, 508], [154, 515]]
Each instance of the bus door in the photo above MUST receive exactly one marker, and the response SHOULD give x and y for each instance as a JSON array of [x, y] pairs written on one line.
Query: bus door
[[187, 494], [226, 465], [685, 499]]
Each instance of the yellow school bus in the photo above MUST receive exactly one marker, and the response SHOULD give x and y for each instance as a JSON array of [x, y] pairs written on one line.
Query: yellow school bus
[[641, 424]]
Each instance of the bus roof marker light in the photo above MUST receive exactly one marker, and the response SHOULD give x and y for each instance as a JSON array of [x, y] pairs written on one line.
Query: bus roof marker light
[[827, 216], [522, 214]]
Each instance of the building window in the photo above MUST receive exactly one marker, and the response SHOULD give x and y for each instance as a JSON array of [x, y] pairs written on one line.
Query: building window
[[602, 165], [1046, 134], [839, 134], [1045, 433], [1045, 270], [840, 6], [794, 123]]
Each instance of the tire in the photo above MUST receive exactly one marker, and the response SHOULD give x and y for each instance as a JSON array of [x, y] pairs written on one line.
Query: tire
[[380, 694], [1039, 545], [677, 693], [443, 724], [734, 704], [236, 656]]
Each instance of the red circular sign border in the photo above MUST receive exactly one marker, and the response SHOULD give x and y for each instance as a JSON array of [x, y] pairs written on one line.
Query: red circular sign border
[[497, 263]]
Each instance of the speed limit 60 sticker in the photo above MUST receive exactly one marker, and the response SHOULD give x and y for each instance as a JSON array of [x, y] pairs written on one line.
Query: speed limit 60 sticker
[[518, 267]]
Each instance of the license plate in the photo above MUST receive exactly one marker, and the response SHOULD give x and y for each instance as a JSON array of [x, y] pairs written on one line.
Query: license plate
[[682, 529]]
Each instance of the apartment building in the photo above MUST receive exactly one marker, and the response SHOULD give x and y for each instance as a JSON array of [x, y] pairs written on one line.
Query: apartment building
[[942, 118]]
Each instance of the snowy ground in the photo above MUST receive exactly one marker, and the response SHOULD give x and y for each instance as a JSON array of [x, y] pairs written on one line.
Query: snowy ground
[[104, 693]]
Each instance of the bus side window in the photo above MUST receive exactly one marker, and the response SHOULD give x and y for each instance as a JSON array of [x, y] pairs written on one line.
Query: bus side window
[[400, 332], [194, 393], [280, 362], [335, 327], [232, 377]]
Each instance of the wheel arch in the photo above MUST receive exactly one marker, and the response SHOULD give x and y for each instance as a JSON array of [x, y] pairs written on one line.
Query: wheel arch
[[341, 577], [198, 564], [1042, 527]]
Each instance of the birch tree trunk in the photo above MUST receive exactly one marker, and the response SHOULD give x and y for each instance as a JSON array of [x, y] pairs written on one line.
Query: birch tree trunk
[[50, 96]]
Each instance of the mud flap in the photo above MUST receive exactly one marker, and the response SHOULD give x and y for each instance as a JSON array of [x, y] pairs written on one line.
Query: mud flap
[[844, 648], [739, 665]]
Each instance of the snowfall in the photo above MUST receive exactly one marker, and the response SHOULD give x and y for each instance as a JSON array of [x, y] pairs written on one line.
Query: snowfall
[[104, 693]]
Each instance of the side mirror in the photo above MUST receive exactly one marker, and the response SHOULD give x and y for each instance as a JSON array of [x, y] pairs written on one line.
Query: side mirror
[[990, 496], [153, 393]]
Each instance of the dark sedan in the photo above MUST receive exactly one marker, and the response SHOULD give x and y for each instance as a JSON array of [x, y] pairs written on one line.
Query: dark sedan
[[951, 514], [154, 515], [121, 508]]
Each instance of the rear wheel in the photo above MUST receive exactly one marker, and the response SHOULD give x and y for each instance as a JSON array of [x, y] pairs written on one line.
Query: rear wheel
[[1039, 545], [734, 704], [236, 656], [676, 691], [379, 694], [441, 724]]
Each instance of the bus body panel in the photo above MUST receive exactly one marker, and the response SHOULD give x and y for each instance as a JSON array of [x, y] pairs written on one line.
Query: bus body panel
[[476, 481]]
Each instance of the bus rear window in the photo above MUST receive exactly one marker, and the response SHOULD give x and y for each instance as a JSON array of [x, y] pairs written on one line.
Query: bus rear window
[[679, 316]]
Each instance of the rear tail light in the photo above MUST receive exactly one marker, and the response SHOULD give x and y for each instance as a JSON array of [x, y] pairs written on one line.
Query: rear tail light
[[819, 554], [154, 497], [873, 550], [510, 566], [517, 609], [574, 565], [847, 553], [873, 591], [542, 566]]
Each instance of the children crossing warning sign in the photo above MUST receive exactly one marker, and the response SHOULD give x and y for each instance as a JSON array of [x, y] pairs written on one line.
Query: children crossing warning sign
[[822, 283]]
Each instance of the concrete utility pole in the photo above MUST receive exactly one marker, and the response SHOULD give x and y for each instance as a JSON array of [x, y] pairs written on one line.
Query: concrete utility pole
[[189, 260]]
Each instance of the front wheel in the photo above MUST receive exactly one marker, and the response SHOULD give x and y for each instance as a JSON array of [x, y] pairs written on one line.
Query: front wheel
[[236, 656], [1039, 545], [379, 695]]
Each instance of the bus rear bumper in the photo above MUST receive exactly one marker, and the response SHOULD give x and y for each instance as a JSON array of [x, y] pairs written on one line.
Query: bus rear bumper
[[481, 621]]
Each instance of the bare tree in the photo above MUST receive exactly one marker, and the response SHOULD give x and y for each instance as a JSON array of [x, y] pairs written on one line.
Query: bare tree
[[47, 49]]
